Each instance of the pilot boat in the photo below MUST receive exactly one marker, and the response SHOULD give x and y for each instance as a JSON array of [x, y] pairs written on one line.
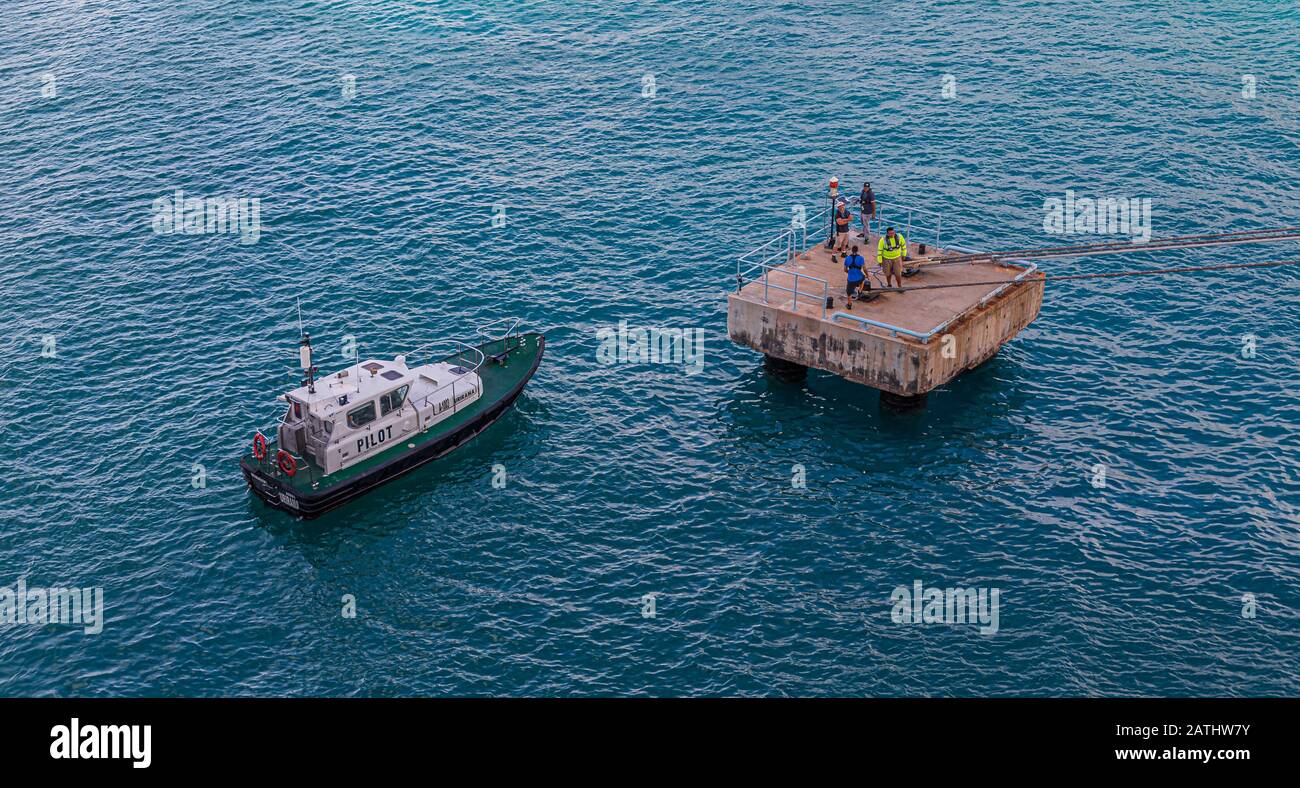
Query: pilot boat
[[345, 434]]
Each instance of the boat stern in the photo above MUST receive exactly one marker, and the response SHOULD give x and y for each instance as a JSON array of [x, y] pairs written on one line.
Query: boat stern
[[273, 491]]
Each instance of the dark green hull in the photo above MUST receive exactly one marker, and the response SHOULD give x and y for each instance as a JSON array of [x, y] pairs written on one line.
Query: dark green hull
[[310, 493]]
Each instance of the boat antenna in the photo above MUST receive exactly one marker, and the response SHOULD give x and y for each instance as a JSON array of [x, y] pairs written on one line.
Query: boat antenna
[[304, 353]]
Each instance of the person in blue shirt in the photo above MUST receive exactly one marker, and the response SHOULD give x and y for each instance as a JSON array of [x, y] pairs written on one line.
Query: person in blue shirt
[[854, 264]]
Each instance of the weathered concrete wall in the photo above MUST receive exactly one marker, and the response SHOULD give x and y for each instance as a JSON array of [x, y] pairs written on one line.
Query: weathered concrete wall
[[979, 335], [899, 365]]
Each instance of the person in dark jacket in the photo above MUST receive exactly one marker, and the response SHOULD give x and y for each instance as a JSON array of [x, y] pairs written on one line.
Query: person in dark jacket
[[866, 208], [842, 218]]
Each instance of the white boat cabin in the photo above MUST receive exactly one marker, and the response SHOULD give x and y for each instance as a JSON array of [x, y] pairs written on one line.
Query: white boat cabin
[[360, 411]]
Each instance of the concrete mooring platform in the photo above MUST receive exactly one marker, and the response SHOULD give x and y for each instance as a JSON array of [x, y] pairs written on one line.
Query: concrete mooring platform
[[902, 343]]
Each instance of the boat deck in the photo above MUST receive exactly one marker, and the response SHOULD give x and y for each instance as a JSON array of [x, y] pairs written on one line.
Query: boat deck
[[920, 311]]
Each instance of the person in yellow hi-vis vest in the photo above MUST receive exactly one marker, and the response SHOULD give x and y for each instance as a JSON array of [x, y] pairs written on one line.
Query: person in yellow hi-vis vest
[[890, 254]]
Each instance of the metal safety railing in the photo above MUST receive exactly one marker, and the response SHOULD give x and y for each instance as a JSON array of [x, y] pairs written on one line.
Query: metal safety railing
[[269, 463], [452, 385], [894, 330], [487, 332], [904, 217], [773, 258], [770, 258]]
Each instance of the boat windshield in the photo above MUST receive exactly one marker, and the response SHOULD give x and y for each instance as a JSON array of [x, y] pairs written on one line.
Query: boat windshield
[[392, 400]]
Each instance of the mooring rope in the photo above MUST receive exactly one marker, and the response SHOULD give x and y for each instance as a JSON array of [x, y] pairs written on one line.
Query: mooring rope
[[1122, 247], [1107, 275]]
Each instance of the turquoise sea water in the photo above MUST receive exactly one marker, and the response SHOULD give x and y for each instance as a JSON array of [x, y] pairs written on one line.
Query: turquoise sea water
[[632, 480]]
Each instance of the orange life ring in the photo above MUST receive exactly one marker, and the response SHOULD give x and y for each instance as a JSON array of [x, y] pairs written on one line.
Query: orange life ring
[[286, 462], [259, 446]]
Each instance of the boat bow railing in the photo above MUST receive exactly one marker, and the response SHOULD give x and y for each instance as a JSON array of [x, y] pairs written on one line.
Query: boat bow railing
[[487, 332]]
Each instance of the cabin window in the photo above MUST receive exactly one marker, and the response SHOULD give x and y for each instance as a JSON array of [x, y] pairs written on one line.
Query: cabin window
[[392, 400], [359, 417]]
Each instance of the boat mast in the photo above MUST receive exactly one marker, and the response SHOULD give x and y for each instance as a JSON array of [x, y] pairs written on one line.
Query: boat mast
[[304, 354]]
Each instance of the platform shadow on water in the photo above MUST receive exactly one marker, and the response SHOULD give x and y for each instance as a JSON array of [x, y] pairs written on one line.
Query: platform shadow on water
[[762, 404]]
